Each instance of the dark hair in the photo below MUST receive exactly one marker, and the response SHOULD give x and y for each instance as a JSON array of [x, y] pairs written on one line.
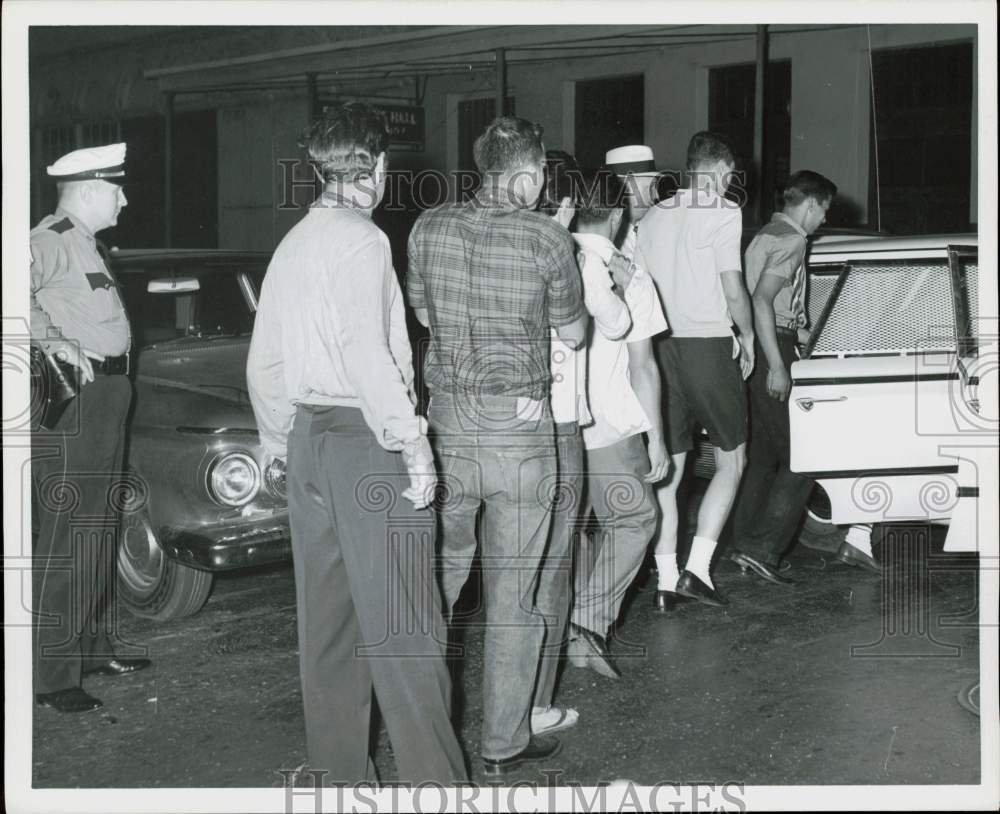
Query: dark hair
[[708, 148], [346, 140], [808, 184], [507, 145], [598, 194], [561, 175]]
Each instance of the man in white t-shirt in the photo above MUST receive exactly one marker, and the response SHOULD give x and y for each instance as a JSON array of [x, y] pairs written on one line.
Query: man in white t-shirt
[[623, 392], [691, 246]]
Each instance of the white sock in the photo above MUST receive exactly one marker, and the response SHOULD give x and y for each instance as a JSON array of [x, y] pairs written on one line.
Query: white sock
[[860, 537], [667, 571], [700, 559]]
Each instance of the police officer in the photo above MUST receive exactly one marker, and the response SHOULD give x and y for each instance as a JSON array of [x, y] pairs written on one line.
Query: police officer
[[78, 317]]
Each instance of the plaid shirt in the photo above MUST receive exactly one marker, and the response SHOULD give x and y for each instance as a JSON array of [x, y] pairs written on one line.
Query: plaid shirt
[[493, 279]]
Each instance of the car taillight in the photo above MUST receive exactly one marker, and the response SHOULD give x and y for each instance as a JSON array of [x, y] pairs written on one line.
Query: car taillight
[[233, 479], [274, 478]]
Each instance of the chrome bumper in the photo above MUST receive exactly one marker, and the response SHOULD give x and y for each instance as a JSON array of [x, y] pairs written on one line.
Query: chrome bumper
[[227, 548]]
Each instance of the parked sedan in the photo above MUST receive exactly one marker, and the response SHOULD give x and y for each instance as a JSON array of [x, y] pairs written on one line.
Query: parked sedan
[[204, 502]]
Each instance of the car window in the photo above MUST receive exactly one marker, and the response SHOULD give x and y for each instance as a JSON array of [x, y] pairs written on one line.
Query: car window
[[218, 308]]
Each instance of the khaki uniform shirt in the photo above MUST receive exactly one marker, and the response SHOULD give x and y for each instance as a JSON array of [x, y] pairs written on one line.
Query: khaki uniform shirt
[[73, 295]]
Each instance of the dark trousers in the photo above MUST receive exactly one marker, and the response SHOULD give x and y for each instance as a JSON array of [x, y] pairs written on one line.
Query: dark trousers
[[772, 498], [556, 573], [75, 468], [369, 610]]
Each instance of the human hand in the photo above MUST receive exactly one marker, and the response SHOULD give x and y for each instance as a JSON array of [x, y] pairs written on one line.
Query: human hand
[[419, 460], [622, 270], [802, 336], [65, 351], [659, 461], [743, 349], [779, 383]]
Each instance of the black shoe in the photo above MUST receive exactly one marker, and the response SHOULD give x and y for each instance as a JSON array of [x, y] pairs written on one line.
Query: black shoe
[[539, 747], [72, 699], [587, 649], [118, 667], [762, 569], [666, 601], [849, 555], [690, 586]]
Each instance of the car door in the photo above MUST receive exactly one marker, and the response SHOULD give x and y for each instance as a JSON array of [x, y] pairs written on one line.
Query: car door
[[872, 410]]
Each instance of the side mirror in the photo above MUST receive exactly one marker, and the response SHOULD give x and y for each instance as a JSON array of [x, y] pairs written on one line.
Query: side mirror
[[173, 285]]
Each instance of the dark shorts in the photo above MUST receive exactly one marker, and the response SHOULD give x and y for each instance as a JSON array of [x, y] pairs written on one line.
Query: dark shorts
[[702, 387]]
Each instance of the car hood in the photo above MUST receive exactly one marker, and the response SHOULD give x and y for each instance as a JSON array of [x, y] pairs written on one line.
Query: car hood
[[194, 382]]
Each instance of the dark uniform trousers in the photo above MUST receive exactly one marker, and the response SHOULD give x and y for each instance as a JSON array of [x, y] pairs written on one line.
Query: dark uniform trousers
[[76, 470], [369, 609]]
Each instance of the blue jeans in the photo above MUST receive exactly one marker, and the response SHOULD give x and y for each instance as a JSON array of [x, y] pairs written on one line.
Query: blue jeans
[[556, 575], [497, 454], [772, 498]]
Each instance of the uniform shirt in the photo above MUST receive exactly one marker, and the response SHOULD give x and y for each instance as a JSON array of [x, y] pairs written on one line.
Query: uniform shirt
[[780, 249], [493, 279], [611, 319], [614, 405], [686, 242], [73, 295], [330, 330]]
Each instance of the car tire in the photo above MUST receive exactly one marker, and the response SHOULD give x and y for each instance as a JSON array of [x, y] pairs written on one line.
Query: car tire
[[150, 584], [817, 531]]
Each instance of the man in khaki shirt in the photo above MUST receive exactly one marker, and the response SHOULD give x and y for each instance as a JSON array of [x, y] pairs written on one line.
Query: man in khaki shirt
[[78, 317], [330, 379]]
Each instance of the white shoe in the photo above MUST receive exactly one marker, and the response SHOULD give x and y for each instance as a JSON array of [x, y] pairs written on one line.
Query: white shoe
[[552, 719]]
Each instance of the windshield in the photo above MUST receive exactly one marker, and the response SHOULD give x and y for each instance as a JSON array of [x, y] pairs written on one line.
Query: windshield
[[218, 308]]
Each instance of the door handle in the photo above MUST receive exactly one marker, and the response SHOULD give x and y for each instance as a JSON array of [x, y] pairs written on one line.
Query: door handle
[[807, 403]]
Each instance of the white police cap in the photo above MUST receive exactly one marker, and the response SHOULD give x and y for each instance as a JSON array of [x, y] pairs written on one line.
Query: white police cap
[[102, 163]]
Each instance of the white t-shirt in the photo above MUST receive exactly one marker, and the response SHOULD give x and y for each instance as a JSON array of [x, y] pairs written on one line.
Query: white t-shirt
[[685, 243], [614, 405]]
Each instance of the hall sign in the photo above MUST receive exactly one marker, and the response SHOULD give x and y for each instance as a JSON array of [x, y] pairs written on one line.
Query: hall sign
[[406, 125]]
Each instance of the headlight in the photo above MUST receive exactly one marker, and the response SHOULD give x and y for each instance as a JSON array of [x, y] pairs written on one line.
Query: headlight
[[274, 478], [233, 479]]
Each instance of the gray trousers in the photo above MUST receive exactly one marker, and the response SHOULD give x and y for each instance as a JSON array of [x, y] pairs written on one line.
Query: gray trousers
[[625, 508], [369, 612]]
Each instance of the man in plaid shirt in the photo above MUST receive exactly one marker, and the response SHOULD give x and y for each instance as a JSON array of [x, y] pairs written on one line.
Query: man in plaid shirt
[[489, 277]]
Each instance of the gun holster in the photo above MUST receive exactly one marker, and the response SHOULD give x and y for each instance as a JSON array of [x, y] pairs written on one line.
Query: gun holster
[[54, 385]]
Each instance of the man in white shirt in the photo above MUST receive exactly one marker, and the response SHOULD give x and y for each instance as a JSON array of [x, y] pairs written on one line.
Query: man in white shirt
[[570, 412], [623, 391], [331, 383], [691, 246]]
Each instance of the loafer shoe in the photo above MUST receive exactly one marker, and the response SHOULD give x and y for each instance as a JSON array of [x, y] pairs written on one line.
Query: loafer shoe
[[587, 649], [849, 555], [666, 601], [118, 667], [761, 569], [540, 747], [72, 699], [693, 588]]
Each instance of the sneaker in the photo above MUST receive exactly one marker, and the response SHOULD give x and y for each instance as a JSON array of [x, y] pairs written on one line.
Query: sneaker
[[552, 719]]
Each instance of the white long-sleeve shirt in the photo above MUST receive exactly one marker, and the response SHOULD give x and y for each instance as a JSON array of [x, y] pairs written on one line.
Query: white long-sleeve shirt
[[330, 330], [611, 319]]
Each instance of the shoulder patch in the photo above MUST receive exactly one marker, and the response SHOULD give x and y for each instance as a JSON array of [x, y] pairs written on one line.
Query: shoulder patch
[[61, 226]]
